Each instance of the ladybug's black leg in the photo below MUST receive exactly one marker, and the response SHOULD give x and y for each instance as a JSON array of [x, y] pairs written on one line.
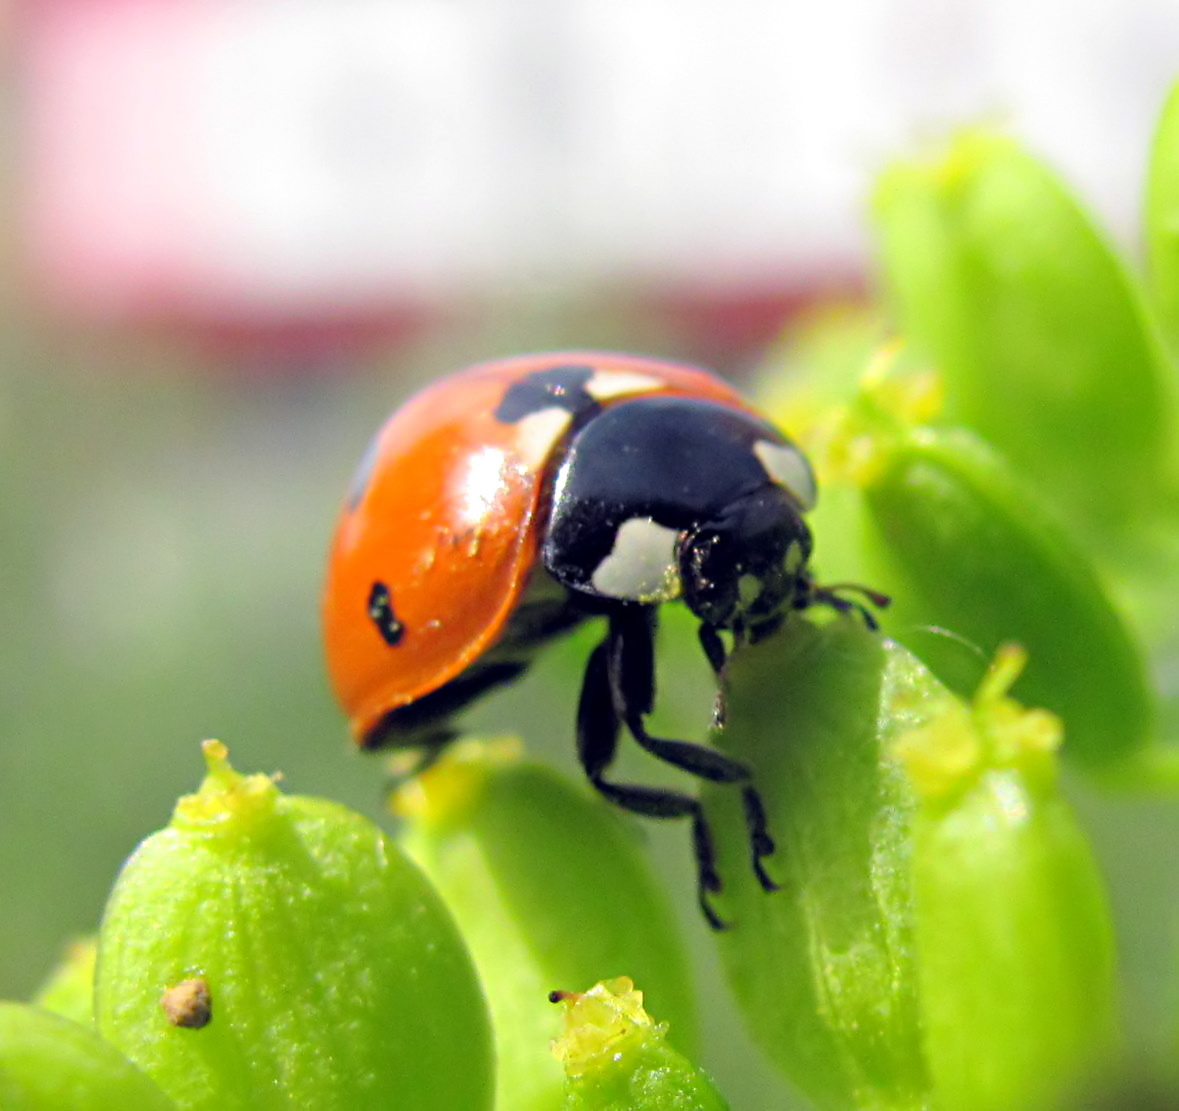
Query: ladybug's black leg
[[632, 682], [831, 596], [714, 648], [631, 660], [597, 721], [759, 836], [598, 725], [708, 881], [409, 762]]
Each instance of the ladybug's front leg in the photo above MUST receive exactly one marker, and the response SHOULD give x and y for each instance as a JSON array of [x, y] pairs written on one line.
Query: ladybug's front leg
[[714, 648], [598, 725], [717, 655]]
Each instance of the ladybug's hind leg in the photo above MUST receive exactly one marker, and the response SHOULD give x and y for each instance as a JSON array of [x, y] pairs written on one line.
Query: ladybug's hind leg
[[406, 764], [598, 726]]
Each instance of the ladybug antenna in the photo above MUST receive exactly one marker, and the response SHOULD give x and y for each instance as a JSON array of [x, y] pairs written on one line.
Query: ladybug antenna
[[834, 596]]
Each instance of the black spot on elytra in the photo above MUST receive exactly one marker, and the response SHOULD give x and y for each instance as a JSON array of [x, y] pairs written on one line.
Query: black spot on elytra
[[380, 612], [556, 387]]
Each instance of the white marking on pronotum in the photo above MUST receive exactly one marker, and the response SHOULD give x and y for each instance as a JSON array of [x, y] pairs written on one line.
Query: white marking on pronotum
[[785, 464], [538, 433], [606, 384], [642, 566]]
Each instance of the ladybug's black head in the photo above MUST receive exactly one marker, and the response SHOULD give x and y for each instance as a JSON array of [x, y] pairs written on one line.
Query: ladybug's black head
[[747, 564]]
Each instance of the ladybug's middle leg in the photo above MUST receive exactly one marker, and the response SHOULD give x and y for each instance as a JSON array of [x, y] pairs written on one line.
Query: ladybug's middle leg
[[632, 681], [598, 726], [631, 664], [633, 684]]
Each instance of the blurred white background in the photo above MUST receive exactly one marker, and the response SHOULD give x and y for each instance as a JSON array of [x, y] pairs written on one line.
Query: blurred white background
[[257, 158]]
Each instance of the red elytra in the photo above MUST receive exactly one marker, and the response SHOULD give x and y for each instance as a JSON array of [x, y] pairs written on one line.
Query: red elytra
[[448, 510]]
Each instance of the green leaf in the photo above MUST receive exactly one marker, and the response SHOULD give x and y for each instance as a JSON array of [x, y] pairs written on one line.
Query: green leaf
[[966, 547], [823, 968], [1162, 216], [69, 990], [51, 1063], [999, 275], [1013, 935], [274, 951]]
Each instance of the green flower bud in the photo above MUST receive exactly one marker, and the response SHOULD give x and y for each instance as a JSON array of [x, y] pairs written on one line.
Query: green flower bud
[[1162, 216], [823, 967], [1001, 277], [275, 951], [1014, 941], [51, 1063], [69, 989], [549, 887], [617, 1058], [966, 547]]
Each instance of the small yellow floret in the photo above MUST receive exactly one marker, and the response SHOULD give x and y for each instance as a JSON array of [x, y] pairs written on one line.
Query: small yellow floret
[[603, 1024], [226, 800], [893, 394], [959, 742]]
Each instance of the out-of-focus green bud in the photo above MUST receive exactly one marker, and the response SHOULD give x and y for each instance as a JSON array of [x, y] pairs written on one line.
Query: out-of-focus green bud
[[51, 1063], [549, 887], [1001, 277], [1162, 216], [823, 967], [883, 386], [617, 1058], [69, 990], [817, 364], [965, 546], [277, 951], [1014, 943]]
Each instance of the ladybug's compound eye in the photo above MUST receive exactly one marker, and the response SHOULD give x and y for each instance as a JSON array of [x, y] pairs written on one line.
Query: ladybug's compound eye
[[749, 563]]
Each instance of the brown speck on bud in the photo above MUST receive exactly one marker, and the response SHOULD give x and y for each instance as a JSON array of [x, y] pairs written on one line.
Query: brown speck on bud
[[188, 1004]]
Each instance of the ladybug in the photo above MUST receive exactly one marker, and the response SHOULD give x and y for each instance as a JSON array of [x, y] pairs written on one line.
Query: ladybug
[[508, 503]]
